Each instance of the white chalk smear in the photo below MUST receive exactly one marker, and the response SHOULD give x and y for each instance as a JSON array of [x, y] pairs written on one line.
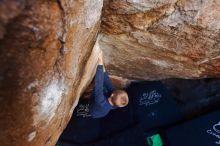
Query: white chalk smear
[[93, 12], [32, 85], [50, 98], [31, 136]]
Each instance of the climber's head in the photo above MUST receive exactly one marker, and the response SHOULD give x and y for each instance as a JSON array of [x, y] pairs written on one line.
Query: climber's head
[[119, 98]]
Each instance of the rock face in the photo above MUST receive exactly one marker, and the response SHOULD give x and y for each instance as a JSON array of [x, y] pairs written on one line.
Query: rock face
[[47, 57], [46, 61], [148, 39]]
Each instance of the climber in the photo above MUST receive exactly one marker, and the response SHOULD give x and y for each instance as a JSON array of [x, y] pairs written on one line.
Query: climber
[[104, 97]]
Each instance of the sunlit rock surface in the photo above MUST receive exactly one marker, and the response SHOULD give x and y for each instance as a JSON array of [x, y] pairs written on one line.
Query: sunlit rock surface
[[148, 39], [46, 61]]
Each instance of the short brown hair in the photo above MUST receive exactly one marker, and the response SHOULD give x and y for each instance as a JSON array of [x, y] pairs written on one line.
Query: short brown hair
[[122, 95]]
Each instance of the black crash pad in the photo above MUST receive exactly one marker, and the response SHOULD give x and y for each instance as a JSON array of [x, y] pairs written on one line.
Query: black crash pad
[[149, 105], [132, 136], [203, 131], [82, 128], [152, 105]]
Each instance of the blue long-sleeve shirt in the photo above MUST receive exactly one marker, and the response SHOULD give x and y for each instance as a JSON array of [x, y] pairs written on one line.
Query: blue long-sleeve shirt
[[99, 105]]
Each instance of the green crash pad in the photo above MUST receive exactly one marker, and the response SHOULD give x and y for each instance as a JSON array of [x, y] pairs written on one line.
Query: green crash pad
[[155, 140]]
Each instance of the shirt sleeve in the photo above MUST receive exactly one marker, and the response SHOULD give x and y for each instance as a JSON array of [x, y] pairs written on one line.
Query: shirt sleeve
[[99, 82], [107, 82]]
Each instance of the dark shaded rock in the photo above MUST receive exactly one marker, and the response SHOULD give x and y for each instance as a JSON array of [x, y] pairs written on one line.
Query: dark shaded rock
[[195, 97]]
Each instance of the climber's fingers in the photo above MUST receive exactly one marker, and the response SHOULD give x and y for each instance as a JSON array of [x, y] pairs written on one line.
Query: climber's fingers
[[100, 60]]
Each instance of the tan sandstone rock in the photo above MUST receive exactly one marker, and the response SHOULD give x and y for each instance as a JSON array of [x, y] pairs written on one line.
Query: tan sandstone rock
[[155, 39], [46, 61]]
